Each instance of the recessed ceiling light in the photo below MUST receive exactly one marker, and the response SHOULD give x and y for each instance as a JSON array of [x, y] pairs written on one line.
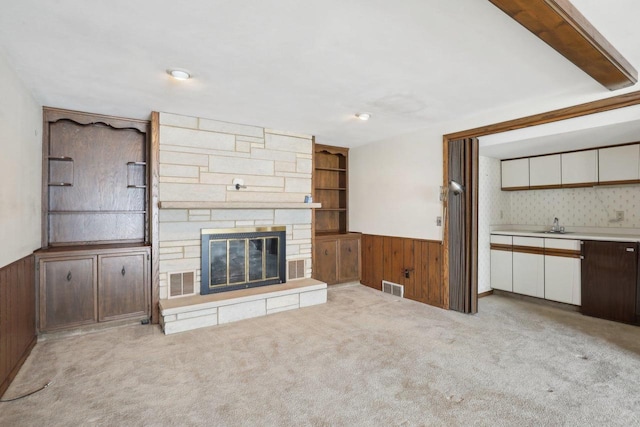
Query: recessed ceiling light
[[363, 116], [179, 74]]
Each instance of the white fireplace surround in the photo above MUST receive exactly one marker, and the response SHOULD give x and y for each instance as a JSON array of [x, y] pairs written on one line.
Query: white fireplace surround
[[199, 161]]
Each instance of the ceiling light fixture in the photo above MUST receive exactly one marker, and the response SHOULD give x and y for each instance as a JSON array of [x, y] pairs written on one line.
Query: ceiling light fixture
[[363, 116], [179, 74]]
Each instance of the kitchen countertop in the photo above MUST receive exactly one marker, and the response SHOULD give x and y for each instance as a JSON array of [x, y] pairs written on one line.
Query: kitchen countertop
[[633, 236]]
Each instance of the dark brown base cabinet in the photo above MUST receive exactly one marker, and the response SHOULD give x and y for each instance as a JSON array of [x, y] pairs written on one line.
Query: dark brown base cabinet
[[337, 258], [80, 287], [610, 281]]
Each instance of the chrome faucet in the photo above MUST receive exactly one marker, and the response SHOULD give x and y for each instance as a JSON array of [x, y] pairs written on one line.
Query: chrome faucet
[[556, 224]]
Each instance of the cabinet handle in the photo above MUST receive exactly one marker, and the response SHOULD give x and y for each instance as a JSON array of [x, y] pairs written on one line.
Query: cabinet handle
[[349, 249], [69, 276], [326, 252], [123, 272]]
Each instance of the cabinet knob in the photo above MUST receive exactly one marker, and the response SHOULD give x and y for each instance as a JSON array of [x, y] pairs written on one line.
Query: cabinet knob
[[123, 271], [349, 249], [69, 276], [326, 252]]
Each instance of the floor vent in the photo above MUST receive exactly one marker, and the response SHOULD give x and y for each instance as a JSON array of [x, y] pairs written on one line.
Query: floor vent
[[393, 289], [296, 269], [182, 284]]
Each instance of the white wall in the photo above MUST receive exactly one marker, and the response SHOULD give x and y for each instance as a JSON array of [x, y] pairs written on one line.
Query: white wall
[[394, 186], [20, 167]]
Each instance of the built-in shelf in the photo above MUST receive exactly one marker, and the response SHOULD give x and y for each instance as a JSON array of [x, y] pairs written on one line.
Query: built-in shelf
[[136, 186], [60, 184], [61, 158], [137, 163], [95, 212], [332, 209], [331, 188], [238, 205], [331, 169]]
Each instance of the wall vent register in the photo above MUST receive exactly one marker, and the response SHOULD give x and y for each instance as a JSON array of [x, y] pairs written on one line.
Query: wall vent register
[[393, 289]]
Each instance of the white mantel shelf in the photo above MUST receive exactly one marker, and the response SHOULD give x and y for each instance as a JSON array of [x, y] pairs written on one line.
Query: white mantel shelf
[[237, 205]]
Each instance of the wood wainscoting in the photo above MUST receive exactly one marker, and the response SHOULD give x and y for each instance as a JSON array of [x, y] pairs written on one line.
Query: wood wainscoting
[[414, 263], [17, 317]]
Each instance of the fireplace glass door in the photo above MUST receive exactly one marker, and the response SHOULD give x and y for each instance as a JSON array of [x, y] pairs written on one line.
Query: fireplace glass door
[[240, 260]]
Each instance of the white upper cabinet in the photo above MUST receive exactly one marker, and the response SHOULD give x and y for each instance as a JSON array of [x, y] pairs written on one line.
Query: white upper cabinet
[[515, 173], [544, 171], [580, 167], [619, 163]]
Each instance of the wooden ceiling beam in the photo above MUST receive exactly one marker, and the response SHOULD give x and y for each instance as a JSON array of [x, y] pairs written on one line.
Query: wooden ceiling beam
[[559, 24]]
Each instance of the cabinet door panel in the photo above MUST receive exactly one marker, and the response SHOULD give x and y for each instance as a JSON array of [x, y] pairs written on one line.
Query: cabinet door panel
[[349, 260], [609, 280], [326, 261], [122, 286], [515, 173], [619, 163], [580, 167], [502, 270], [562, 279], [544, 171], [69, 290], [528, 274]]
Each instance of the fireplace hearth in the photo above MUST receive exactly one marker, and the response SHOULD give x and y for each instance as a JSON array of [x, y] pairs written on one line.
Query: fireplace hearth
[[240, 258]]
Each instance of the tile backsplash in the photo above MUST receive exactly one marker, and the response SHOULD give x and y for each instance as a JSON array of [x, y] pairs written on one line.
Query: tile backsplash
[[577, 207]]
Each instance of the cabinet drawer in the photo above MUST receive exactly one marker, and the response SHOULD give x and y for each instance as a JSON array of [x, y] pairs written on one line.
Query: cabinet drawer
[[501, 240], [533, 242], [570, 245]]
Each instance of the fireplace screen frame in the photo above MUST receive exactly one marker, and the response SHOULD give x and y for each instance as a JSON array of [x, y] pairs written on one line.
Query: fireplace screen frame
[[235, 234]]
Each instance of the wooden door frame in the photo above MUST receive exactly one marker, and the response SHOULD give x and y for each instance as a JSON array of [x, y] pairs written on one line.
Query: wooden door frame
[[599, 106]]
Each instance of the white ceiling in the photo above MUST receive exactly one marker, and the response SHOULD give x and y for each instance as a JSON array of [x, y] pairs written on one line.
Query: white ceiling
[[302, 66]]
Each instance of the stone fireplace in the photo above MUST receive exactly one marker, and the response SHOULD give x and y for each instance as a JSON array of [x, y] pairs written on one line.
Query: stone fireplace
[[201, 161]]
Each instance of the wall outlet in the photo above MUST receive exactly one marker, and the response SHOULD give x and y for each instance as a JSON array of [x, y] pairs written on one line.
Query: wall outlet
[[619, 215], [439, 221]]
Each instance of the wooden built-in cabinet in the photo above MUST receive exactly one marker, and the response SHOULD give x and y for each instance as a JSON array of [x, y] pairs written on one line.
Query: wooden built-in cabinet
[[413, 263], [331, 187], [337, 258], [96, 284], [336, 251], [95, 256]]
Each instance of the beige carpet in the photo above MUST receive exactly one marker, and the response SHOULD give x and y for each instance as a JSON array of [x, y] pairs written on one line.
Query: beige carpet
[[364, 358]]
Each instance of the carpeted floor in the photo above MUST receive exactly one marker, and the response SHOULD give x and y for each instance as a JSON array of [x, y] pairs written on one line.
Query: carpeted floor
[[363, 359]]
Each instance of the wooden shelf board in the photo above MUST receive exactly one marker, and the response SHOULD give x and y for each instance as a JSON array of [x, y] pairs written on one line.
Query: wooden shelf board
[[332, 188], [330, 169], [332, 209], [238, 205]]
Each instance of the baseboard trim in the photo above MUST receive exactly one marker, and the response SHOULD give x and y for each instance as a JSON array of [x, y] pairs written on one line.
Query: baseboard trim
[[5, 384], [485, 294]]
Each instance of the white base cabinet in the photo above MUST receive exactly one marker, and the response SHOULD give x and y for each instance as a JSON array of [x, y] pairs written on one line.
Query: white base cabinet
[[528, 266], [539, 267], [501, 263], [562, 271]]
